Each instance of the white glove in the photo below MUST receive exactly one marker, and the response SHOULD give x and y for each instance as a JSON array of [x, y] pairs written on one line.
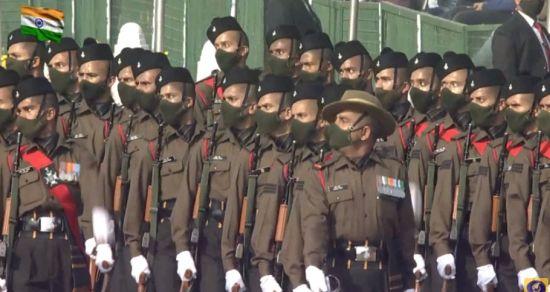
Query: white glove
[[316, 279], [409, 290], [104, 255], [139, 266], [420, 267], [269, 284], [3, 286], [89, 245], [232, 278], [301, 288], [444, 261], [186, 263], [486, 275], [525, 274]]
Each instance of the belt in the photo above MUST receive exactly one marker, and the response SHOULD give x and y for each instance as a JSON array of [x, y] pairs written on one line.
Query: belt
[[216, 212], [364, 253], [165, 209]]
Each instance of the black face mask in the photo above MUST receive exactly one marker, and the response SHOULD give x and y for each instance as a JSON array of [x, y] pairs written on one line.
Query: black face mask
[[531, 7], [92, 91], [19, 66], [62, 82], [422, 100], [172, 111], [227, 60], [452, 102], [128, 94], [6, 117], [147, 101], [281, 67]]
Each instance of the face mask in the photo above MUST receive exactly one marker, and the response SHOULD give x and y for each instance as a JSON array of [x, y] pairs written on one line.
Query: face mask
[[281, 67], [6, 117], [482, 116], [422, 100], [532, 7], [266, 123], [357, 83], [92, 91], [171, 111], [227, 60], [310, 77], [387, 98], [31, 128], [62, 81], [543, 122], [338, 138], [147, 101], [517, 122], [302, 132], [452, 102], [19, 66], [231, 115], [127, 94]]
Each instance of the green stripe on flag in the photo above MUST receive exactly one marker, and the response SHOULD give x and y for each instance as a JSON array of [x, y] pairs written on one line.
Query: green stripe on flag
[[41, 34]]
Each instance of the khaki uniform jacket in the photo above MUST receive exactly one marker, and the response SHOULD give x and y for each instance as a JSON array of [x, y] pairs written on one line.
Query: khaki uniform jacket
[[542, 238], [204, 89]]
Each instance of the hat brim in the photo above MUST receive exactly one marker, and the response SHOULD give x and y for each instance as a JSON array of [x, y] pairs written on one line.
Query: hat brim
[[386, 122]]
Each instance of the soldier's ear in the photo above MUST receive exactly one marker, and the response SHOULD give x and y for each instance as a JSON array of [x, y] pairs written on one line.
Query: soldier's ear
[[111, 81], [501, 105], [243, 51], [286, 114], [251, 110], [188, 102], [35, 62], [366, 133], [51, 113]]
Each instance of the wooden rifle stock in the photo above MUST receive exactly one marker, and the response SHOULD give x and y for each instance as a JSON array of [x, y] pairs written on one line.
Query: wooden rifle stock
[[6, 221], [281, 223], [94, 274], [455, 202], [117, 196], [494, 214], [242, 222], [196, 204], [530, 226], [148, 205]]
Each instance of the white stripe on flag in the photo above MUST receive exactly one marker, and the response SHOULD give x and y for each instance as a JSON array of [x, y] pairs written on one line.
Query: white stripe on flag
[[51, 25]]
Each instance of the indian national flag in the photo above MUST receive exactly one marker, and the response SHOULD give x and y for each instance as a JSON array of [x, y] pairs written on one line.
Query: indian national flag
[[43, 23]]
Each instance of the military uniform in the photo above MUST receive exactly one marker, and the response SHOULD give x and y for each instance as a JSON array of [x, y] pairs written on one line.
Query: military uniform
[[7, 136], [540, 243], [209, 95]]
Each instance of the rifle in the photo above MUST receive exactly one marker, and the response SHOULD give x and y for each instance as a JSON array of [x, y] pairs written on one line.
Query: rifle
[[152, 202], [10, 215], [248, 210], [111, 119], [72, 117], [209, 112], [410, 143], [498, 203], [533, 210], [284, 212]]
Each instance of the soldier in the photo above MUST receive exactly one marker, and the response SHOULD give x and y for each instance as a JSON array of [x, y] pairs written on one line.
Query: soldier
[[214, 162], [341, 194], [126, 88], [354, 65], [8, 81], [57, 179], [176, 91], [316, 53], [283, 55], [25, 54], [231, 43]]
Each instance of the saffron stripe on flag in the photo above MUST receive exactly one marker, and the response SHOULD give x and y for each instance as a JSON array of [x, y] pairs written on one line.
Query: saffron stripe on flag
[[42, 12]]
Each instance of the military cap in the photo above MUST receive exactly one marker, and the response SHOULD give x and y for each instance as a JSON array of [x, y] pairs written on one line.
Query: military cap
[[452, 62], [220, 25], [347, 50], [173, 74], [65, 44], [32, 86], [308, 90], [333, 92], [521, 84], [316, 40], [94, 52], [485, 78], [89, 41], [282, 32], [390, 59], [362, 101], [238, 75], [8, 77], [17, 37], [423, 60], [275, 83], [127, 57], [542, 89], [148, 61]]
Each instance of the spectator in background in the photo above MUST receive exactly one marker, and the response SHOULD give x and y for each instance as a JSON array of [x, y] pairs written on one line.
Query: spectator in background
[[486, 12]]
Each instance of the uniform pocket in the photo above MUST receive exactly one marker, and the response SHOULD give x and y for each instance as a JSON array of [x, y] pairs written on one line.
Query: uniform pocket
[[30, 187], [220, 175], [170, 168], [338, 196]]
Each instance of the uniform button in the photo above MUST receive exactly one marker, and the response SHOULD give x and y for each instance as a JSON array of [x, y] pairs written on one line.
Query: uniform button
[[338, 198]]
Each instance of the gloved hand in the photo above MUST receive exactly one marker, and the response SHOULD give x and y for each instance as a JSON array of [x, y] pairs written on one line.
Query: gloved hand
[[301, 288], [269, 284], [89, 246], [444, 261], [3, 285], [186, 263], [409, 290], [316, 279], [139, 266], [104, 257], [232, 278], [525, 274], [420, 267], [486, 276]]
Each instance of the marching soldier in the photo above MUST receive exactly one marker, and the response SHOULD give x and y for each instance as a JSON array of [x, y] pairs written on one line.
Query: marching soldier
[[232, 48], [8, 81], [354, 65], [214, 162], [25, 54], [355, 205], [316, 54], [282, 45], [55, 195]]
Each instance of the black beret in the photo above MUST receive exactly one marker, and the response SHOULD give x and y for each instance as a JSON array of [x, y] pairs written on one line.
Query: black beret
[[8, 77], [542, 89], [452, 62], [423, 60], [238, 75], [521, 84], [346, 50], [485, 78], [94, 52], [308, 90], [391, 59], [32, 86], [89, 41], [275, 83], [317, 40], [127, 57], [220, 25], [173, 74], [282, 32], [333, 93], [65, 44], [148, 60], [17, 37]]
